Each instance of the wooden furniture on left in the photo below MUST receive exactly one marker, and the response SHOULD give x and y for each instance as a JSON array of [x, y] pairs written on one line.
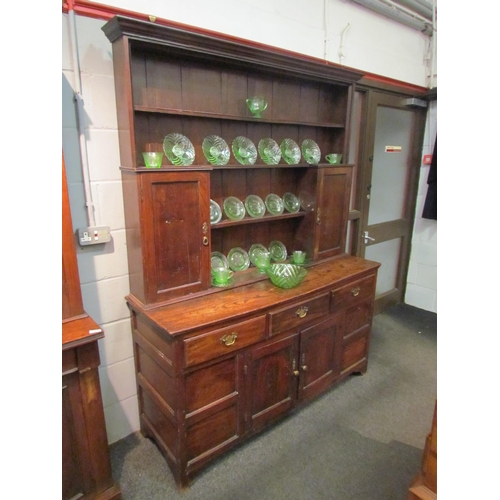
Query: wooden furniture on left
[[424, 486], [86, 466]]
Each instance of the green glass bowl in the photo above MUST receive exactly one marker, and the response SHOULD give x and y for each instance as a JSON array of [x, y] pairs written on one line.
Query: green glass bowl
[[286, 275]]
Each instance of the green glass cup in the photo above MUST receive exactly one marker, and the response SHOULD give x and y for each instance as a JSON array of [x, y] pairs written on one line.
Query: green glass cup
[[263, 261], [334, 158], [257, 105], [222, 275], [152, 159], [299, 257]]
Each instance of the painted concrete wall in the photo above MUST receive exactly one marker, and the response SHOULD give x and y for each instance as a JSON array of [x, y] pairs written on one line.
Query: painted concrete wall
[[370, 43]]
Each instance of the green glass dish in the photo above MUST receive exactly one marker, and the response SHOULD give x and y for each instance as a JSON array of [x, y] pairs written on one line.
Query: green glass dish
[[274, 204], [179, 150], [244, 150], [255, 206], [269, 151], [286, 275], [216, 150], [290, 151], [215, 212], [291, 202], [218, 260], [256, 250], [311, 152], [234, 208], [238, 259], [278, 251]]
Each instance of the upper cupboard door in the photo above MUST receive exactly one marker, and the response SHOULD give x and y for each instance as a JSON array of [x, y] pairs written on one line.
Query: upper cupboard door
[[334, 188], [175, 233]]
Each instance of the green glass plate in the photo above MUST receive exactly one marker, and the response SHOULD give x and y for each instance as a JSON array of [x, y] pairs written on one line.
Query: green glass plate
[[274, 204], [216, 150], [244, 150], [256, 250], [234, 208], [278, 251], [238, 259], [311, 152], [291, 202], [178, 149], [215, 212], [290, 151], [269, 151], [218, 260], [255, 206]]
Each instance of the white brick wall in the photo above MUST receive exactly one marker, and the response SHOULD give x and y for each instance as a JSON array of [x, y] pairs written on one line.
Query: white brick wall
[[371, 44], [421, 288]]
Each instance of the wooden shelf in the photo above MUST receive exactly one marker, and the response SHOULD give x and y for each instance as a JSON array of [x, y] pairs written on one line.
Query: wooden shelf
[[253, 220], [221, 116]]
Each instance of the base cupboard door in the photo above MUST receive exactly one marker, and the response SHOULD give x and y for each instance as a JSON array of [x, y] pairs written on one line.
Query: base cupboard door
[[320, 351], [272, 379]]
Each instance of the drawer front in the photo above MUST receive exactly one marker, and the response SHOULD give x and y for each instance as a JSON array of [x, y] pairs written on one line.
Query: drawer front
[[353, 293], [224, 340], [298, 315]]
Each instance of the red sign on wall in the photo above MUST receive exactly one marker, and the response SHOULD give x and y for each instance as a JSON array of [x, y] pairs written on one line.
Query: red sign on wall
[[427, 159]]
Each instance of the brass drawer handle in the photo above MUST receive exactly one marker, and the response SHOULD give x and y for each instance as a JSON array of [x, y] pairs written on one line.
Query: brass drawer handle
[[302, 311], [205, 240], [355, 291], [229, 339]]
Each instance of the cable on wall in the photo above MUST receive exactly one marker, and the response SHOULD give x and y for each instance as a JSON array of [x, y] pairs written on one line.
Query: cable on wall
[[75, 61]]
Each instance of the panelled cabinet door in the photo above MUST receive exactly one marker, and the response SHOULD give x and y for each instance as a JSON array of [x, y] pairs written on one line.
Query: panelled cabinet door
[[334, 188], [272, 377], [320, 351], [175, 233]]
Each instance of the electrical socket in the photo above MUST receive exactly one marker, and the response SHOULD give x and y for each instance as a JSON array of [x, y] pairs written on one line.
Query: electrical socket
[[93, 235]]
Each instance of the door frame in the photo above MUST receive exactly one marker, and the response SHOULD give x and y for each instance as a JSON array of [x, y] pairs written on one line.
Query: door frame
[[359, 210]]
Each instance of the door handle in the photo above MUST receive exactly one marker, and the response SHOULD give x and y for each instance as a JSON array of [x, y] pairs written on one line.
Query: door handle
[[367, 238]]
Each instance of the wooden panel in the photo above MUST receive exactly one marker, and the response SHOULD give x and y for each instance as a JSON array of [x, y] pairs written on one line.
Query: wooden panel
[[157, 378], [354, 352], [76, 465], [211, 433], [201, 88], [157, 338], [286, 99], [210, 345], [211, 384], [164, 427], [357, 316], [298, 315], [72, 304]]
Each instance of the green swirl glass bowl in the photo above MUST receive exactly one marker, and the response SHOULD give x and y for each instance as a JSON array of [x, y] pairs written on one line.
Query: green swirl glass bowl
[[286, 275]]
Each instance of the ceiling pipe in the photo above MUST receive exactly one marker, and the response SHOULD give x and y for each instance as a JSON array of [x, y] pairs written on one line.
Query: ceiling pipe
[[421, 7], [393, 11]]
